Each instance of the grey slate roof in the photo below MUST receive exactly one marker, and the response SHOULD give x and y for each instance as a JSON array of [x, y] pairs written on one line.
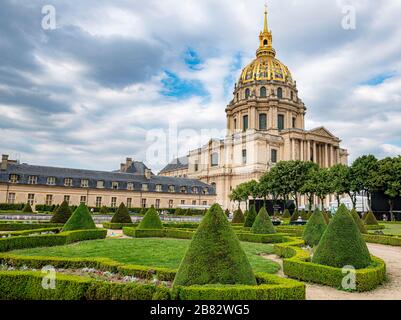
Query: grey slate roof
[[176, 164], [138, 178]]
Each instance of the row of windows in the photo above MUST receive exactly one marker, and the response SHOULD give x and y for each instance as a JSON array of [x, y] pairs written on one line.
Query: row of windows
[[99, 201], [263, 93], [68, 182], [263, 122], [215, 158]]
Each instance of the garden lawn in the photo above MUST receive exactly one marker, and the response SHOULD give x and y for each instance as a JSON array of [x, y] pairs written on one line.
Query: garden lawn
[[392, 228], [166, 253]]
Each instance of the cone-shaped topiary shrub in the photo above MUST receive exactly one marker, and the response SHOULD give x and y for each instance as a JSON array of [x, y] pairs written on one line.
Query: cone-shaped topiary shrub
[[238, 216], [121, 215], [151, 220], [27, 209], [358, 221], [294, 216], [263, 224], [326, 217], [370, 219], [304, 215], [215, 255], [250, 217], [342, 243], [287, 214], [104, 210], [81, 219], [314, 229], [62, 213]]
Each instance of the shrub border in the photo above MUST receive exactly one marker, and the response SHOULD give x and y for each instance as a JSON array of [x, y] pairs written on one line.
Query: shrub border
[[391, 240], [297, 265]]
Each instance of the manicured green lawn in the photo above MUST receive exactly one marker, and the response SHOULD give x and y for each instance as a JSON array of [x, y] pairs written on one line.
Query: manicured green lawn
[[148, 252], [392, 228]]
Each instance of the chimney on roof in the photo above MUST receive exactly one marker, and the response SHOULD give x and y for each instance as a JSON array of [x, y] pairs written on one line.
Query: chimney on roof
[[129, 162], [122, 167], [148, 174], [4, 162]]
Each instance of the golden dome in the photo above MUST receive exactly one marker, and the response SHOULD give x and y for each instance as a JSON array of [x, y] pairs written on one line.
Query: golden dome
[[266, 67]]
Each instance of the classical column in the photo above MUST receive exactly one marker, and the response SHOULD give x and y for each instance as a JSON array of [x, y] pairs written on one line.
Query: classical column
[[308, 155], [326, 155], [314, 152], [293, 156], [331, 155], [301, 150], [338, 156]]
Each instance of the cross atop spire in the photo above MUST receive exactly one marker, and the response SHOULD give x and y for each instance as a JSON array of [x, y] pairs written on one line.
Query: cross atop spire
[[265, 29]]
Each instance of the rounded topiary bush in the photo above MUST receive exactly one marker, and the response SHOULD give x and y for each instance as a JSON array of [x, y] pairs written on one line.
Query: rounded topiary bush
[[151, 220], [263, 224], [358, 221], [27, 208], [121, 215], [342, 243], [314, 229], [62, 213], [370, 219], [250, 217], [238, 216], [215, 255], [81, 219], [287, 214]]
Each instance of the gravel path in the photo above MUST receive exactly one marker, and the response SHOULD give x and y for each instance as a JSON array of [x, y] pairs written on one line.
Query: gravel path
[[391, 290]]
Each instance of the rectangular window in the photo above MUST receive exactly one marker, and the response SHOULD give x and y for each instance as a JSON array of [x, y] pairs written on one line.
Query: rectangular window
[[145, 187], [113, 202], [204, 203], [183, 202], [244, 157], [83, 199], [114, 185], [67, 199], [214, 159], [274, 156], [159, 188], [14, 178], [143, 203], [11, 198], [280, 122], [235, 124], [205, 191], [170, 204], [32, 180], [84, 183], [51, 181], [183, 189], [100, 184], [129, 203], [31, 199], [49, 200], [130, 186], [196, 166], [245, 123], [263, 121], [157, 204], [68, 182], [171, 189], [195, 190], [294, 122], [194, 202], [98, 202]]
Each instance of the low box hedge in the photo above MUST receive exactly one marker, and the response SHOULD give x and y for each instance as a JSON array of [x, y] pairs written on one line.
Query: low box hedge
[[158, 233], [383, 239], [296, 231], [297, 265], [269, 287], [373, 227], [20, 226], [30, 232], [26, 285], [24, 242], [173, 225], [117, 226], [262, 238]]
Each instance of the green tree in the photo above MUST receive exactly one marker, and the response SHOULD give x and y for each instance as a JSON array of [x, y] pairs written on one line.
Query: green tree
[[309, 186], [323, 187], [339, 179]]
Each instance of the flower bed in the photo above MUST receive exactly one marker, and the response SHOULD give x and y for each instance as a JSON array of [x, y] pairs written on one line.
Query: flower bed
[[30, 232], [297, 265]]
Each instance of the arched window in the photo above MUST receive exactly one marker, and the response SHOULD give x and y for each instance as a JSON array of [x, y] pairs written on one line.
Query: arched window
[[247, 93], [280, 93], [265, 43], [263, 92]]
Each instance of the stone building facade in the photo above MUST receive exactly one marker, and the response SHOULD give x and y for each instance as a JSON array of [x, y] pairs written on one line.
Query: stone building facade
[[265, 125]]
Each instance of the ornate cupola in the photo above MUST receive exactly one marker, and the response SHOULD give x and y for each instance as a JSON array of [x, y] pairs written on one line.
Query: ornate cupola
[[266, 41]]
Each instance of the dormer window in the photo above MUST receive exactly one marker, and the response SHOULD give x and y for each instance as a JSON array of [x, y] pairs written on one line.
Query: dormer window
[[68, 182], [14, 178], [145, 187], [171, 189], [159, 188], [51, 181], [205, 191], [183, 189], [84, 183], [114, 185], [100, 184], [195, 190], [32, 180], [130, 186]]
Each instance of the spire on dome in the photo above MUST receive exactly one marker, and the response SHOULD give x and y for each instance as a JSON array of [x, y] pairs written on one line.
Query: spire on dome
[[266, 40], [265, 29]]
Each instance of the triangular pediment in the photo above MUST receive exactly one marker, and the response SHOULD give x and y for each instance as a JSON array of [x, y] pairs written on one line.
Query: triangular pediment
[[322, 131]]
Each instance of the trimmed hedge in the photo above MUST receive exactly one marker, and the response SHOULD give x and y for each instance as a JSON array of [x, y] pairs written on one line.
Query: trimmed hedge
[[361, 226], [238, 217], [370, 219], [81, 219], [250, 217], [30, 232], [269, 287], [297, 265], [121, 215], [262, 238], [380, 239], [151, 220], [117, 226], [19, 226], [263, 224], [62, 213], [27, 208], [291, 230], [50, 240], [314, 229], [375, 227], [12, 206], [158, 233]]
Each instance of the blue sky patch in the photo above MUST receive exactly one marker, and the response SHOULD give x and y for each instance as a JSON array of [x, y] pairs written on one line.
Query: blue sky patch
[[379, 79], [174, 86], [192, 59]]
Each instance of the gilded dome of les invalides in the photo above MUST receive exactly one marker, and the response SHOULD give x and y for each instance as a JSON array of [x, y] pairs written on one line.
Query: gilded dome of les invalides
[[266, 67]]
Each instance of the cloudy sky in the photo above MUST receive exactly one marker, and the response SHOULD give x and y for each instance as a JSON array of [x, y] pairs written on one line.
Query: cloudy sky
[[87, 93]]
